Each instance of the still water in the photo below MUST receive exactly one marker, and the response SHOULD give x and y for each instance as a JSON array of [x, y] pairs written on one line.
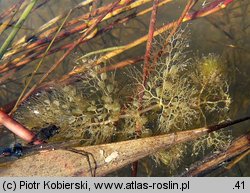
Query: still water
[[225, 33]]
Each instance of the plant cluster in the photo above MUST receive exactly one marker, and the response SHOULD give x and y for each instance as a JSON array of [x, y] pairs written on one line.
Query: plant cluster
[[178, 94]]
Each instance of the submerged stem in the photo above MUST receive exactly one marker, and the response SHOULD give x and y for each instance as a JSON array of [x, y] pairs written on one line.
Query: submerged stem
[[16, 28]]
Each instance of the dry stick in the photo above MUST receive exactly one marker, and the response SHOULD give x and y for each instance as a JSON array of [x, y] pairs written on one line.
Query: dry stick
[[35, 54], [239, 146], [146, 69], [238, 158], [39, 64], [18, 129], [99, 160], [76, 43]]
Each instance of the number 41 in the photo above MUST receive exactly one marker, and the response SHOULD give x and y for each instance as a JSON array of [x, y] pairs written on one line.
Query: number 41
[[240, 185]]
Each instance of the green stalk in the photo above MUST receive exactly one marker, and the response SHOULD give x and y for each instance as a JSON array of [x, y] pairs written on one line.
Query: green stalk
[[40, 63], [16, 28], [100, 51]]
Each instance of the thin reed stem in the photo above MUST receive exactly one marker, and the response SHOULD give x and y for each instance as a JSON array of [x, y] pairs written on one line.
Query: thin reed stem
[[76, 43], [16, 28], [39, 64]]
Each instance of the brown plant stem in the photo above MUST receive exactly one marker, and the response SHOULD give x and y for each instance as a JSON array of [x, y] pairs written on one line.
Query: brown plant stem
[[146, 71], [13, 12], [64, 34], [100, 160], [8, 13], [17, 128], [238, 146], [211, 8], [11, 9], [146, 67], [218, 5], [188, 7], [215, 6], [38, 52], [121, 64], [38, 65], [75, 44]]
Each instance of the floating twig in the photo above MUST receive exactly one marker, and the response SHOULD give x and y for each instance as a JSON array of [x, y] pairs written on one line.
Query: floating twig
[[238, 146], [100, 160]]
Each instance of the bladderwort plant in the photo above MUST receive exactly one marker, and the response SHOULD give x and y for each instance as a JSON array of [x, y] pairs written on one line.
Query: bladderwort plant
[[180, 93], [85, 110]]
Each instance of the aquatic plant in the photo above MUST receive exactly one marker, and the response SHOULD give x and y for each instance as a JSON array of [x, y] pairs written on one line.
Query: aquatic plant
[[171, 93], [86, 110], [183, 91], [179, 92]]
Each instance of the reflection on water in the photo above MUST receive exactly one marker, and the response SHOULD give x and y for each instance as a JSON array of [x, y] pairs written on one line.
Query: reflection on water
[[225, 33]]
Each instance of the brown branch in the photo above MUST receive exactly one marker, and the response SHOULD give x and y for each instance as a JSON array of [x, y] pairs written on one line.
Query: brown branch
[[238, 146], [211, 8], [98, 160], [146, 71], [146, 67]]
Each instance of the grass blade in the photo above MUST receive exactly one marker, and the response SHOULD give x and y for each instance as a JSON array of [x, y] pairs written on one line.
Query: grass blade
[[16, 28]]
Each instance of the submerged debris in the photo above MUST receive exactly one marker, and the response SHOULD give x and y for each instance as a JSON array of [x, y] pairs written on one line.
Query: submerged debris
[[16, 150]]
